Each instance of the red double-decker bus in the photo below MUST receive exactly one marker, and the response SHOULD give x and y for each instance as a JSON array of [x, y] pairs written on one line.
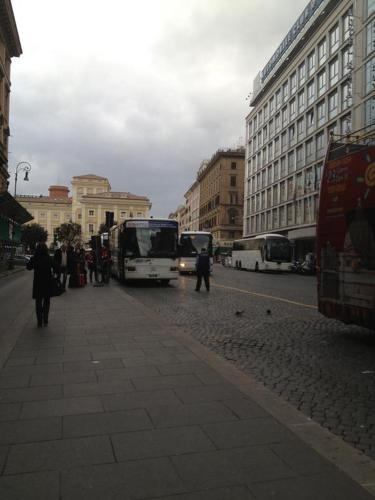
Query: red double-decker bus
[[346, 232]]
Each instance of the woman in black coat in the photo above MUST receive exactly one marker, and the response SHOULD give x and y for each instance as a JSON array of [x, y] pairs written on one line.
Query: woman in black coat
[[42, 264]]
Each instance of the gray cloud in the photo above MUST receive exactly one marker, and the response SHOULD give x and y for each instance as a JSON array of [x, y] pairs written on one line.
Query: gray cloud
[[138, 92]]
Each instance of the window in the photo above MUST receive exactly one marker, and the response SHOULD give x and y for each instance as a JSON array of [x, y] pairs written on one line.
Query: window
[[346, 96], [309, 184], [282, 191], [277, 122], [283, 141], [269, 175], [334, 39], [275, 219], [291, 162], [260, 118], [346, 124], [265, 134], [370, 75], [301, 74], [80, 190], [320, 145], [277, 146], [284, 115], [233, 180], [293, 83], [322, 52], [321, 112], [333, 104], [347, 25], [123, 215], [310, 93], [271, 128], [233, 165], [56, 215], [233, 198], [300, 128], [311, 63], [301, 101], [290, 188], [310, 120], [370, 112], [265, 112], [264, 156], [291, 133], [278, 99], [285, 91], [292, 108], [272, 105], [275, 195], [276, 173], [370, 37], [91, 213], [42, 215], [299, 156], [290, 214], [309, 150], [270, 151], [91, 228], [334, 72], [322, 82], [282, 167], [282, 216], [347, 58]]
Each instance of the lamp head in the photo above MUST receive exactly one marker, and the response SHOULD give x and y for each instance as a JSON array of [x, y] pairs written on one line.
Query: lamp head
[[26, 178]]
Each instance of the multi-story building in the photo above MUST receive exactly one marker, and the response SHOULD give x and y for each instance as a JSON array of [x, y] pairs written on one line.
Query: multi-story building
[[12, 215], [320, 80], [192, 207], [91, 199], [221, 181]]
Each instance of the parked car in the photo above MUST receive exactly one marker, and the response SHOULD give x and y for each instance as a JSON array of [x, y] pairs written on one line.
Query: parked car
[[21, 260]]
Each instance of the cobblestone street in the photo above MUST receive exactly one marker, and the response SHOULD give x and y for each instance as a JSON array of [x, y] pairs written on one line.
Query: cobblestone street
[[322, 367]]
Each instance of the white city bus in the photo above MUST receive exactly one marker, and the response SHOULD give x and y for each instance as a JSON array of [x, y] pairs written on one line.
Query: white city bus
[[191, 244], [266, 252], [145, 249]]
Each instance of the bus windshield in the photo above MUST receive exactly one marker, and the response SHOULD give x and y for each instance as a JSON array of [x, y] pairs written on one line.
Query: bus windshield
[[192, 244], [278, 249], [159, 242]]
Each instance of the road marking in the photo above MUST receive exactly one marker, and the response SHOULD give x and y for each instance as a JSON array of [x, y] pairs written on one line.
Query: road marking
[[301, 304]]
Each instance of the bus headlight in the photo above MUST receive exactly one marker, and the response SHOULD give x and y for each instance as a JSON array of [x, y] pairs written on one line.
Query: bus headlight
[[182, 264]]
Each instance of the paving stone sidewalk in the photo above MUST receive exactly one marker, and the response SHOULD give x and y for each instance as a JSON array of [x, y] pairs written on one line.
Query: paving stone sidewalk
[[110, 401]]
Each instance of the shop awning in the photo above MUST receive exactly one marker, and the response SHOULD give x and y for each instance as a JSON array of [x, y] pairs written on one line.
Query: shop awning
[[10, 208]]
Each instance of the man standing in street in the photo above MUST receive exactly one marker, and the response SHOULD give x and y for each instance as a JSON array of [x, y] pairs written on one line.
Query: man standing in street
[[202, 266]]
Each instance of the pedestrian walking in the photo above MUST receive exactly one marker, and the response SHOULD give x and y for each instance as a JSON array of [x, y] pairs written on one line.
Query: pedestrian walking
[[92, 265], [105, 262], [63, 263], [202, 267], [42, 264]]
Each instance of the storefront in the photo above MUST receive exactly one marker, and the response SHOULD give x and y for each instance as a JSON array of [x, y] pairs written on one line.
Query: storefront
[[12, 216]]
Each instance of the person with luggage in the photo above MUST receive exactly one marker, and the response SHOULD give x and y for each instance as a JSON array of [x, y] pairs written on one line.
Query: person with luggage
[[92, 265], [105, 262], [42, 264], [202, 267]]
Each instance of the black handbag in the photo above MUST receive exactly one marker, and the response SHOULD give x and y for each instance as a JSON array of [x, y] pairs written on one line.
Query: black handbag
[[56, 287]]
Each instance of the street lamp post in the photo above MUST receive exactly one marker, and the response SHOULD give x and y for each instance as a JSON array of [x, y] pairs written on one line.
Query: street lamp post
[[21, 166]]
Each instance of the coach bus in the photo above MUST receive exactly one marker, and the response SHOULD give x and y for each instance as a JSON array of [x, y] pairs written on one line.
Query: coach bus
[[191, 244], [265, 252], [145, 249], [346, 232]]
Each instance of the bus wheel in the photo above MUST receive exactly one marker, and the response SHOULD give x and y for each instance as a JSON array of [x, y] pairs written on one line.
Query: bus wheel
[[256, 269], [164, 282]]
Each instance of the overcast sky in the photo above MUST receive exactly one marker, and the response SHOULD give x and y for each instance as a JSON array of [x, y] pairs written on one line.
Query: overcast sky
[[139, 91]]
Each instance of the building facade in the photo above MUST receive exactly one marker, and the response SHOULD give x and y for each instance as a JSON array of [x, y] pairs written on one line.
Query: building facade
[[91, 199], [191, 222], [221, 181], [321, 80], [12, 215]]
